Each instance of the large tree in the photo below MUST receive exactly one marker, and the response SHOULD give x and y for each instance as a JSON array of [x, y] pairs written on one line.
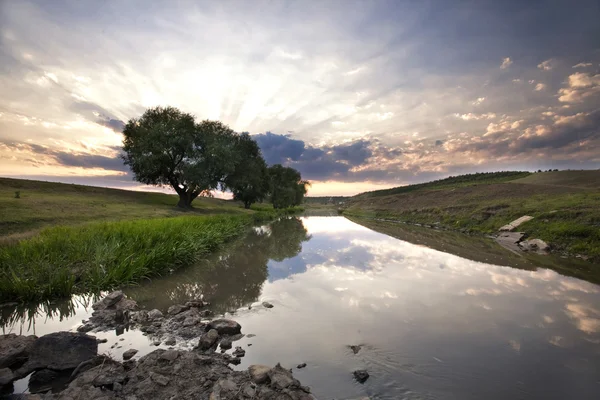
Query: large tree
[[166, 147], [249, 181], [286, 186]]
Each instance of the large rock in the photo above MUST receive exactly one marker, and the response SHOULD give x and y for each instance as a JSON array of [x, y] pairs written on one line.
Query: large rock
[[208, 339], [109, 300], [113, 311], [61, 350], [225, 326], [282, 378], [6, 376], [47, 379], [259, 373], [128, 354], [535, 245], [14, 349]]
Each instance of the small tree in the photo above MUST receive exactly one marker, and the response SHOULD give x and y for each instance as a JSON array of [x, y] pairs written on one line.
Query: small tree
[[287, 187], [249, 181], [166, 147]]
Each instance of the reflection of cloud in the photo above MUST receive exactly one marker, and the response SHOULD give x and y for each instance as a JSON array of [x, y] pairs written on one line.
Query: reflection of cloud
[[586, 317], [516, 346]]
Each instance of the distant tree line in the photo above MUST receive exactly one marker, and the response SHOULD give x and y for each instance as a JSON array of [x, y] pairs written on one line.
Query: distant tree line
[[167, 147]]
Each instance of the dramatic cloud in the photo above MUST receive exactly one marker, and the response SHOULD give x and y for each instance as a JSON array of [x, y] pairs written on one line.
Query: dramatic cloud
[[364, 96]]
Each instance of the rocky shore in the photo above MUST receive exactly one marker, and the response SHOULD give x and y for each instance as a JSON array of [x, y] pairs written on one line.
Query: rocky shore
[[66, 365]]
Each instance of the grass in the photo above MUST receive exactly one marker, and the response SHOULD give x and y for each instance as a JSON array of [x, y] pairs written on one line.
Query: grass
[[44, 204], [87, 258], [565, 206], [59, 239]]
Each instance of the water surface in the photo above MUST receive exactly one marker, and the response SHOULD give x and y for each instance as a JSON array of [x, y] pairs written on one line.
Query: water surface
[[431, 325]]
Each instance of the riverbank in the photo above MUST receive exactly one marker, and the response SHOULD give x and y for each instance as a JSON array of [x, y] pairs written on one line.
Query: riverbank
[[66, 260], [564, 205], [67, 365]]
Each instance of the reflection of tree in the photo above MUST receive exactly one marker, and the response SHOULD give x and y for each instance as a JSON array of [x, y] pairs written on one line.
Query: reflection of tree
[[286, 238], [231, 278], [23, 317]]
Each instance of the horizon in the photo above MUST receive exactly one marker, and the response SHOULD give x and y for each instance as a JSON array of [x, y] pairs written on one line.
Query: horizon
[[357, 98]]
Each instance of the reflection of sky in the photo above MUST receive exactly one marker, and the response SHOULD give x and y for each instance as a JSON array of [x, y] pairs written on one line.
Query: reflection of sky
[[434, 325]]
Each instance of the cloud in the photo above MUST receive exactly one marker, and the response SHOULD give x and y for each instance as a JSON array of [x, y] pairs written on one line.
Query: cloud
[[506, 62], [114, 124], [387, 93], [31, 153], [581, 86], [546, 65], [472, 116]]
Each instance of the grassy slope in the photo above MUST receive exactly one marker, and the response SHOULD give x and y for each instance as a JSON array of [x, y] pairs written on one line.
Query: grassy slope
[[565, 204], [59, 239], [44, 204]]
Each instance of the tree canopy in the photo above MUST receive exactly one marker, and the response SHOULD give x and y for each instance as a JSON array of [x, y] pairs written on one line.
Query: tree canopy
[[286, 186], [249, 181], [167, 147]]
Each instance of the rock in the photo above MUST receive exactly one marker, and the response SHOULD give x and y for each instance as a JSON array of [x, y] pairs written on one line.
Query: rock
[[535, 245], [194, 303], [6, 376], [60, 351], [259, 373], [361, 375], [127, 355], [266, 304], [355, 348], [301, 365], [170, 341], [239, 352], [225, 388], [514, 224], [250, 335], [206, 313], [176, 309], [102, 340], [208, 339], [225, 343], [282, 378], [41, 381], [191, 321], [170, 355], [154, 314], [109, 300], [156, 343], [159, 379], [225, 326], [14, 349]]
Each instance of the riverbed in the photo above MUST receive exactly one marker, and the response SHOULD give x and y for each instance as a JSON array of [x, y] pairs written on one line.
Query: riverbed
[[425, 324]]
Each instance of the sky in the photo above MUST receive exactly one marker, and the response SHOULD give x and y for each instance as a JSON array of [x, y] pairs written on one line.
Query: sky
[[356, 95]]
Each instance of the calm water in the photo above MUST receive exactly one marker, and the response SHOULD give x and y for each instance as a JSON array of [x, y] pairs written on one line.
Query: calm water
[[432, 325]]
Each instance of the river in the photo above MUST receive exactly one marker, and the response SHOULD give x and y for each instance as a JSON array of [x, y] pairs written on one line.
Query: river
[[430, 324]]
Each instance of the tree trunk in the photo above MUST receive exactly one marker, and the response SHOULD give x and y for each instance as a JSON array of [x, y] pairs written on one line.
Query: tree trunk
[[247, 205], [184, 201]]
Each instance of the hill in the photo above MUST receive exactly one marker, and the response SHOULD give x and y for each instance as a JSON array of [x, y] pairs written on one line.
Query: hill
[[565, 204], [41, 204]]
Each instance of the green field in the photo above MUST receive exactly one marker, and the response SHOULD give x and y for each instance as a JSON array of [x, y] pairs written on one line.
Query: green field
[[43, 204], [58, 239], [565, 204]]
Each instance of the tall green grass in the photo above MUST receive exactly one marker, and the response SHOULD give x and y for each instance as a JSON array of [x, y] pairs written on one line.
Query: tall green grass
[[61, 261]]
